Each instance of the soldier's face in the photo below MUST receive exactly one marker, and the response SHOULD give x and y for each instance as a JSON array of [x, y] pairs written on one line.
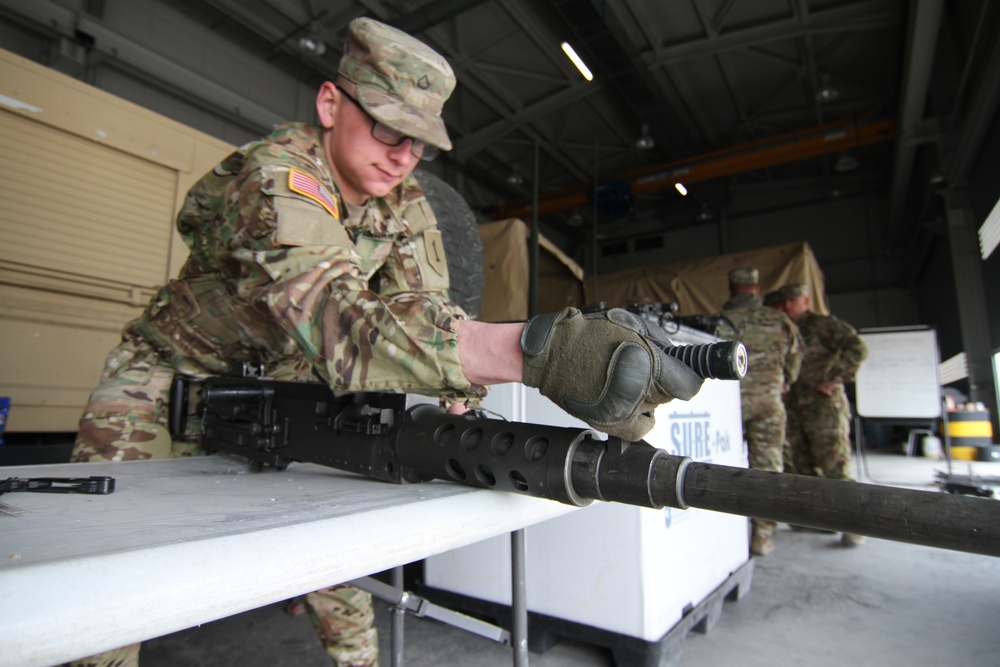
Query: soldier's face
[[363, 166], [796, 308]]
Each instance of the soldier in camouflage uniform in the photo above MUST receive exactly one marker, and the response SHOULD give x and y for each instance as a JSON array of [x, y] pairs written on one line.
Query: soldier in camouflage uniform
[[315, 256], [275, 231], [775, 300], [774, 350], [819, 417]]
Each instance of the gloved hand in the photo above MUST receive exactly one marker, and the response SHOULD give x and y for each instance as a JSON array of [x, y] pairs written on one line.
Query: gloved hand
[[604, 368]]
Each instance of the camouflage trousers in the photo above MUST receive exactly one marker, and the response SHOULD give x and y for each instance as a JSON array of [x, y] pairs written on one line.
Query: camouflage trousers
[[126, 420], [818, 434], [764, 430]]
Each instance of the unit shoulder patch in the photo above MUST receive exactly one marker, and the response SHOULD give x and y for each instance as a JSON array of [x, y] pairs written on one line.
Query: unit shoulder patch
[[434, 251]]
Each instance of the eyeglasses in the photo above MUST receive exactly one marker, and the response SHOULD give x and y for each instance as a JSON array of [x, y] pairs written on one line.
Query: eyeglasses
[[384, 134]]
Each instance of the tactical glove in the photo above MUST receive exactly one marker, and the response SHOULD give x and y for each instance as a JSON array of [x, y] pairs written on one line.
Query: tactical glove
[[604, 368]]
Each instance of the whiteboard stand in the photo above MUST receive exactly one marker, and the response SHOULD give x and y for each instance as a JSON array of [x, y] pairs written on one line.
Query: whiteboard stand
[[898, 383], [947, 438], [899, 378], [859, 446]]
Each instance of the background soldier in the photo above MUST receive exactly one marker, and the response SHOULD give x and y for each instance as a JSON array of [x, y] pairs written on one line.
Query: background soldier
[[819, 417], [774, 351], [775, 300], [315, 256]]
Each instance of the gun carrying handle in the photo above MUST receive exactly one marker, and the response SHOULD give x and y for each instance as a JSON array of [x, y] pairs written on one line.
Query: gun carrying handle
[[178, 407]]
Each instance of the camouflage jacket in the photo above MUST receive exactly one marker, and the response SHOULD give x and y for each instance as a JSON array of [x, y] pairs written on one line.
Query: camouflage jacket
[[774, 346], [281, 274], [833, 351]]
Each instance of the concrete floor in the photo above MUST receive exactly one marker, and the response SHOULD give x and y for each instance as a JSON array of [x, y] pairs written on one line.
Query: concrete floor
[[811, 603]]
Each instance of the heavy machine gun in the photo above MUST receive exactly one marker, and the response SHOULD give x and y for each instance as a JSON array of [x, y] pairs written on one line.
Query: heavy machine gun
[[275, 423]]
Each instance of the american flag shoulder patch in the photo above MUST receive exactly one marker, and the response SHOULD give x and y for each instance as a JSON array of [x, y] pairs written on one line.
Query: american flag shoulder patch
[[306, 185]]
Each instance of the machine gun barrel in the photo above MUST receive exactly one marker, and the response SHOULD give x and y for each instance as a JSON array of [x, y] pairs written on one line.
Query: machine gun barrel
[[573, 466], [956, 522], [276, 423]]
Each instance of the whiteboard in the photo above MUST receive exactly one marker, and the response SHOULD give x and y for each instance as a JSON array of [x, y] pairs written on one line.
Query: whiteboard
[[900, 376]]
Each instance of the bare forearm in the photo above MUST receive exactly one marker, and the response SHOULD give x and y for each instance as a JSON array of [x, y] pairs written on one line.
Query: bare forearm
[[490, 353]]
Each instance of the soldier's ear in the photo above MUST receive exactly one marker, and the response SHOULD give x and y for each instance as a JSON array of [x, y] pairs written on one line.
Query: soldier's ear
[[326, 104]]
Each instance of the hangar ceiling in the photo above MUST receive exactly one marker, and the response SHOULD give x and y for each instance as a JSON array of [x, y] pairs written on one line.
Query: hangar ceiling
[[874, 97]]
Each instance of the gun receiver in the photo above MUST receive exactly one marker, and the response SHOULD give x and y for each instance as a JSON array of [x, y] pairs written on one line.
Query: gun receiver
[[275, 423]]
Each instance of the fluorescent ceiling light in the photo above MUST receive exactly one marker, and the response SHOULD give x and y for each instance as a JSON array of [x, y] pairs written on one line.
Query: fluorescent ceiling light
[[580, 65], [645, 141], [846, 162], [311, 44], [681, 189]]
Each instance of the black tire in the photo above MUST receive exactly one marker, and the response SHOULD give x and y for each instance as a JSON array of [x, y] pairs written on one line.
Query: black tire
[[463, 246]]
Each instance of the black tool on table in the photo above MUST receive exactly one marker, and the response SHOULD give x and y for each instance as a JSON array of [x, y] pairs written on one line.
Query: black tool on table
[[90, 485]]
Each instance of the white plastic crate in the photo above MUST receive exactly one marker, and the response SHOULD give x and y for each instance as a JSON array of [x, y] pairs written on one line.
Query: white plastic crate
[[619, 568]]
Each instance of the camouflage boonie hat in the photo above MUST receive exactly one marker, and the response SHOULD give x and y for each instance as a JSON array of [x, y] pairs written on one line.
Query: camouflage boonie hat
[[744, 277], [794, 291], [400, 81]]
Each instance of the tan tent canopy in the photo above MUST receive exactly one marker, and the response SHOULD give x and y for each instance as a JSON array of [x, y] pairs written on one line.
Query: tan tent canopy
[[702, 286], [505, 263], [698, 287]]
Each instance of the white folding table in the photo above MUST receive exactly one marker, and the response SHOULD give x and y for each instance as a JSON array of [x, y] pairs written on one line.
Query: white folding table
[[182, 542]]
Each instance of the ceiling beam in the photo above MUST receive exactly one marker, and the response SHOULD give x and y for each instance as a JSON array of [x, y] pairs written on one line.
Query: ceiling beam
[[279, 31], [432, 14], [921, 44], [856, 17], [136, 58], [981, 111], [737, 159], [486, 136]]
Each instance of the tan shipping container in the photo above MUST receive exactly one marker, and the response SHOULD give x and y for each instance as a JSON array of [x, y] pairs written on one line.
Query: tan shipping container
[[91, 185]]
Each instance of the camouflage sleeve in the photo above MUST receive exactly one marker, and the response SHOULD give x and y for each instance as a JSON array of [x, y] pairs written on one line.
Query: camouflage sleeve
[[793, 358], [415, 275], [309, 276], [849, 351]]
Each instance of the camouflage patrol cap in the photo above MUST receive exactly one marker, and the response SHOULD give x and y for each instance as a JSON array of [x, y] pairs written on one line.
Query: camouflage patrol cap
[[744, 277], [794, 291], [400, 81]]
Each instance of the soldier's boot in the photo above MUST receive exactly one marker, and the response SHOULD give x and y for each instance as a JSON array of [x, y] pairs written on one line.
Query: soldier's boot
[[761, 543], [761, 546], [852, 540], [126, 656]]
